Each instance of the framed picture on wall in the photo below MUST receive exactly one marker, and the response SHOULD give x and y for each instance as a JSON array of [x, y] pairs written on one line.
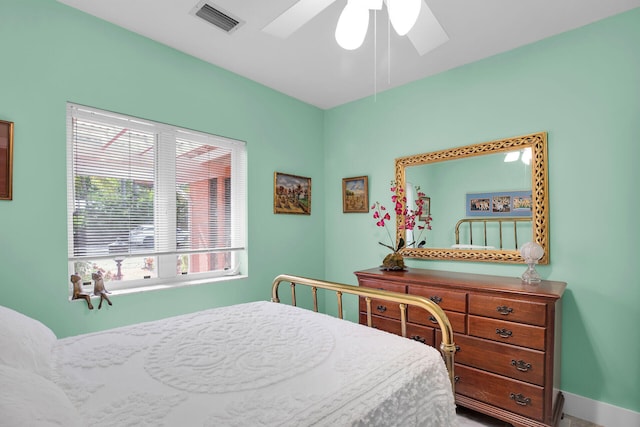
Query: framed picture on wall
[[6, 160], [355, 194], [291, 194]]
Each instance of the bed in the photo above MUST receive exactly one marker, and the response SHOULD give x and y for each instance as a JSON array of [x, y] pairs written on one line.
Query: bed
[[259, 363]]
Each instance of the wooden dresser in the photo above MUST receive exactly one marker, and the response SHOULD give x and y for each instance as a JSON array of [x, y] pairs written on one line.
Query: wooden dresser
[[507, 336]]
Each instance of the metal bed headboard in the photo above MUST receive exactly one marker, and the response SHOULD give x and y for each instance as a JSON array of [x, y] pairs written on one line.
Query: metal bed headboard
[[447, 348], [485, 221]]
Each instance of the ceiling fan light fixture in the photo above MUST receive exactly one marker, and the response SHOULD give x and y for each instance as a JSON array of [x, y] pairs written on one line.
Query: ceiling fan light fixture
[[352, 25], [403, 14], [371, 4]]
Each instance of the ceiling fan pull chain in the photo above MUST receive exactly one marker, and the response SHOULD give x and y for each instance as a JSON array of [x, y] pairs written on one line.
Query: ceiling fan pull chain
[[388, 48], [375, 55]]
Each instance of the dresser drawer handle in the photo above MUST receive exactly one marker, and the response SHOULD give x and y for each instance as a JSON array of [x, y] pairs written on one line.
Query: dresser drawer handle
[[433, 320], [504, 333], [381, 308], [418, 338], [436, 299], [521, 365], [503, 309], [520, 399], [456, 379]]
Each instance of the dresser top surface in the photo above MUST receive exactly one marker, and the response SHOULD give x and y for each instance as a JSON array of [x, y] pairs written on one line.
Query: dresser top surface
[[469, 281]]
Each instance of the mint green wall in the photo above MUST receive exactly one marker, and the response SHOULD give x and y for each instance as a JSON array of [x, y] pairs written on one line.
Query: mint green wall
[[52, 54], [583, 87]]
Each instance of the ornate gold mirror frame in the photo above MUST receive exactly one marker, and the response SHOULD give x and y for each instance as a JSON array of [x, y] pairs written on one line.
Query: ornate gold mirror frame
[[539, 192]]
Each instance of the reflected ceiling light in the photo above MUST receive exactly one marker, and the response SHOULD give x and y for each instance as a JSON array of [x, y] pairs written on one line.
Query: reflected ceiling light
[[353, 22], [511, 156], [526, 156]]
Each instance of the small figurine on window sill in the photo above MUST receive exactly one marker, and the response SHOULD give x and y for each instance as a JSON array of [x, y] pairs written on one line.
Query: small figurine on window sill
[[99, 289], [77, 290]]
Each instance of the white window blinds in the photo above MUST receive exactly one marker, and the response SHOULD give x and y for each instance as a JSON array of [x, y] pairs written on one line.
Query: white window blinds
[[152, 201]]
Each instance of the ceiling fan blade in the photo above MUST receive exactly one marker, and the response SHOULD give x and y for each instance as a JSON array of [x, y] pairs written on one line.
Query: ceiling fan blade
[[295, 17], [427, 34]]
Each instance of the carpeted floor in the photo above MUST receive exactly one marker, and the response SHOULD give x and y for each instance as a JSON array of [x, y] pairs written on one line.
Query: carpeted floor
[[469, 418]]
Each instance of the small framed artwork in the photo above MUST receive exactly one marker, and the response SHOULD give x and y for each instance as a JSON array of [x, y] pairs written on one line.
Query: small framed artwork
[[355, 194], [6, 160], [426, 208], [291, 194]]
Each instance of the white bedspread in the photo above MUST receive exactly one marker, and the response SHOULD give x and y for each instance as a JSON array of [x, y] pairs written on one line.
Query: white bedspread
[[255, 364]]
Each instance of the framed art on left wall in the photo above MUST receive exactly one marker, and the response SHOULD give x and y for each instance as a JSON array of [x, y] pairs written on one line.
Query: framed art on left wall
[[291, 194], [6, 160]]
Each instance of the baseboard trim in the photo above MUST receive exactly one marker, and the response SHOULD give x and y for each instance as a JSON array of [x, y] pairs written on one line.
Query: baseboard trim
[[597, 412]]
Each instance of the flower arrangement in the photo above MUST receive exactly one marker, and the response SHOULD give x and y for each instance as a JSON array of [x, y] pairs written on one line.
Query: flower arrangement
[[413, 219]]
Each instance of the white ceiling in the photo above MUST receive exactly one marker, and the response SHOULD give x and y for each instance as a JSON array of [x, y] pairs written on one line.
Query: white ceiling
[[310, 66]]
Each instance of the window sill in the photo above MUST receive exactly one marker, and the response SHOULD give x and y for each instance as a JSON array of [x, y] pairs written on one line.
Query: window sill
[[168, 285]]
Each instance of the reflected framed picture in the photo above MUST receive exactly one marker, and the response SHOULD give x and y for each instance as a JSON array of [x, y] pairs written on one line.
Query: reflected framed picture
[[6, 160], [291, 194], [426, 208], [503, 203], [355, 194]]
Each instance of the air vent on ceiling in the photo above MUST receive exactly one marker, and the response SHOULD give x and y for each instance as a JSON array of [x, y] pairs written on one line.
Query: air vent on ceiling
[[216, 16]]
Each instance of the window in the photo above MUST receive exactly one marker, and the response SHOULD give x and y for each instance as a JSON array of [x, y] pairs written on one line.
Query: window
[[150, 203]]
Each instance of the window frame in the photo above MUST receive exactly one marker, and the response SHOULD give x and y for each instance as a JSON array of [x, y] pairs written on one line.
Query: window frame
[[165, 188]]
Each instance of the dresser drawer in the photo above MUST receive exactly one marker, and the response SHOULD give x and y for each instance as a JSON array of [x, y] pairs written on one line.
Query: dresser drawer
[[446, 299], [383, 285], [515, 362], [423, 334], [512, 395], [507, 332], [382, 323], [458, 320], [530, 312], [381, 307]]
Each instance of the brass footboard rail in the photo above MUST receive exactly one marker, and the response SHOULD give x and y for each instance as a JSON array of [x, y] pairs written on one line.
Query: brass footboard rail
[[447, 348]]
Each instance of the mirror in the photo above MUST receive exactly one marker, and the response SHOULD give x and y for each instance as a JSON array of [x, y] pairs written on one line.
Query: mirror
[[486, 200]]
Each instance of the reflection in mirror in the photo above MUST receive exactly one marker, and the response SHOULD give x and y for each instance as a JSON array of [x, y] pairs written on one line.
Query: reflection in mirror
[[485, 200], [448, 183], [410, 191], [415, 236]]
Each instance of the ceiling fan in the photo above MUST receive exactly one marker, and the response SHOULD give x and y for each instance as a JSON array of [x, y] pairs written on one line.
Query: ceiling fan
[[412, 18]]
